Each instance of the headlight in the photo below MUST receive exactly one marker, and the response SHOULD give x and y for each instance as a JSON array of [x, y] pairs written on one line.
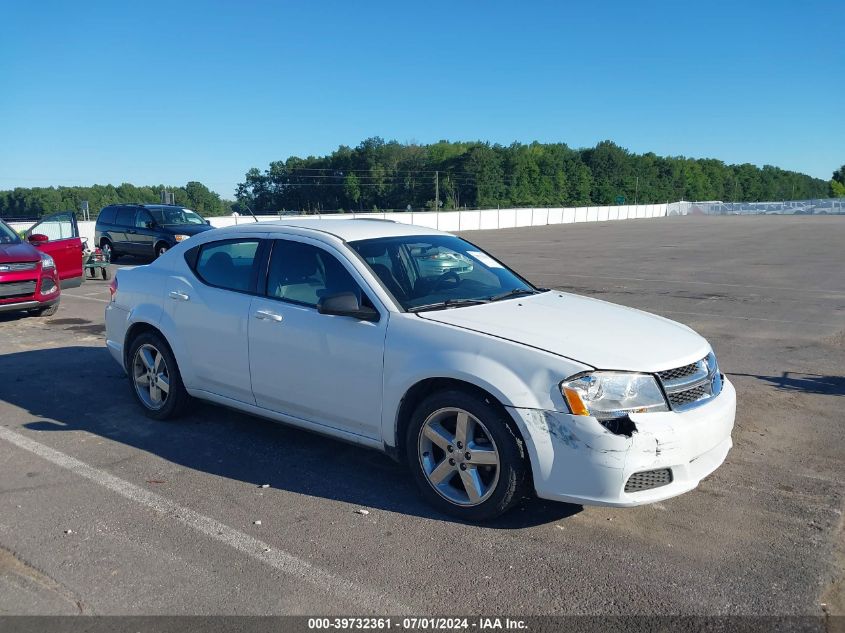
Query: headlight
[[179, 238], [47, 262], [606, 395]]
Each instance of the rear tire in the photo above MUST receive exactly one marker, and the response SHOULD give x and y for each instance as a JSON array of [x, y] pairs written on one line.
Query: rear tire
[[108, 249], [466, 456], [155, 378]]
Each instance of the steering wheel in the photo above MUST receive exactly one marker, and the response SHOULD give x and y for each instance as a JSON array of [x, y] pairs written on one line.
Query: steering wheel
[[444, 277]]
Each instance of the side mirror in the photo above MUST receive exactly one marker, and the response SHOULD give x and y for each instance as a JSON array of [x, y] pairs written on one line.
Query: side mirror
[[37, 238], [346, 304], [208, 222], [150, 224]]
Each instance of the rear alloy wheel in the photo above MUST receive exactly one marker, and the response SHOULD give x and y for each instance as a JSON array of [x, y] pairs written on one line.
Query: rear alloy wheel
[[465, 456], [108, 251], [155, 377]]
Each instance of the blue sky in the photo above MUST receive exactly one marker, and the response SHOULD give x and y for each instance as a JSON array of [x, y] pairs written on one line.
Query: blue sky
[[151, 92]]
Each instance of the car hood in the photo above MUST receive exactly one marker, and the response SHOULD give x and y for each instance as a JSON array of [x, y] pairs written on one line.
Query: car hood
[[597, 333], [187, 229], [21, 252]]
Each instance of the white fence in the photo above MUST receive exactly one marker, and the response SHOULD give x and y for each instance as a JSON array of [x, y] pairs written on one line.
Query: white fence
[[454, 221], [485, 219]]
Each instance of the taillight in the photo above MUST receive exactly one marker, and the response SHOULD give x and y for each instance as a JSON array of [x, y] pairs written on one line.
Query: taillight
[[113, 287]]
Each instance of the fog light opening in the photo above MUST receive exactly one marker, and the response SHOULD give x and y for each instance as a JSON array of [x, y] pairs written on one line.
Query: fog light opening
[[620, 426], [48, 287]]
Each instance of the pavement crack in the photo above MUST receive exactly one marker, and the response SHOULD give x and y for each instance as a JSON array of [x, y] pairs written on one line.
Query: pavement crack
[[15, 567]]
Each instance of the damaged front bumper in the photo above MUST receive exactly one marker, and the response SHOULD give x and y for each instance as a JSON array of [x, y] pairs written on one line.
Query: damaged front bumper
[[577, 460]]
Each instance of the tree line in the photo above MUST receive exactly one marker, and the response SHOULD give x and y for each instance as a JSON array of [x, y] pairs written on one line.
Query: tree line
[[30, 203], [450, 175]]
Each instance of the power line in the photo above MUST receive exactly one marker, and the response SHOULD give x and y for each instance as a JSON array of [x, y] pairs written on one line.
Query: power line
[[371, 169], [360, 178]]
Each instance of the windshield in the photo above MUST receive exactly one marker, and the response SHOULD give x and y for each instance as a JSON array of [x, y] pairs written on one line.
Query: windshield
[[7, 234], [438, 271], [175, 216]]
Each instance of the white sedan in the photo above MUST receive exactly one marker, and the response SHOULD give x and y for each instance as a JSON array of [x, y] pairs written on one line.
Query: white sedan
[[488, 387]]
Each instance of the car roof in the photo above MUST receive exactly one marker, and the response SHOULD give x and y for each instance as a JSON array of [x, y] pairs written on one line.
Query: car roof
[[347, 230], [148, 205]]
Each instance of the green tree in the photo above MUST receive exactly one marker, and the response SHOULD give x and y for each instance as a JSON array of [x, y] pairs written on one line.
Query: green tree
[[352, 189], [837, 183]]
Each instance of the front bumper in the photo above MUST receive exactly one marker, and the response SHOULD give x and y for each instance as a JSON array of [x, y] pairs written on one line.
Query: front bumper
[[577, 460], [42, 289], [26, 304]]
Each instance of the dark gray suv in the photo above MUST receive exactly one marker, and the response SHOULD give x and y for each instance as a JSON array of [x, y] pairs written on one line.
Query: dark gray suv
[[145, 230]]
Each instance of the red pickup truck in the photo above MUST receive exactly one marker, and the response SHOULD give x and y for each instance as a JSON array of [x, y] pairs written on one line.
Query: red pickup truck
[[33, 271]]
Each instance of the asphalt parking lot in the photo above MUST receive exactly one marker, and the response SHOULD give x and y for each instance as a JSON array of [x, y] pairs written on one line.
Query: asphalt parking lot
[[103, 511]]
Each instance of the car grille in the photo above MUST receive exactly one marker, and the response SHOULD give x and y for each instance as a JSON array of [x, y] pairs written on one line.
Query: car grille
[[648, 479], [18, 267], [679, 372], [12, 289], [692, 385]]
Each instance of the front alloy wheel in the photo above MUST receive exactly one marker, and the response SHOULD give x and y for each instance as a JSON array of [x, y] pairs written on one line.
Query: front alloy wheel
[[466, 455], [458, 456]]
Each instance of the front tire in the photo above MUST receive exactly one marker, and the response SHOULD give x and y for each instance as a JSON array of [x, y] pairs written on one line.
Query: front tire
[[46, 312], [160, 249], [465, 456], [156, 381]]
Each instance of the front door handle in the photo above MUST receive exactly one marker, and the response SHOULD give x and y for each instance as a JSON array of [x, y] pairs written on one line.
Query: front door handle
[[267, 315], [179, 296]]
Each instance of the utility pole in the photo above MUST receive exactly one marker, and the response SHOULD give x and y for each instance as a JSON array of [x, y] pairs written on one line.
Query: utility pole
[[636, 190], [437, 191]]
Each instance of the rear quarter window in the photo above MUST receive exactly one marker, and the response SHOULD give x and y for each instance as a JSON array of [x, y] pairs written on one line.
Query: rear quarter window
[[106, 215], [227, 264]]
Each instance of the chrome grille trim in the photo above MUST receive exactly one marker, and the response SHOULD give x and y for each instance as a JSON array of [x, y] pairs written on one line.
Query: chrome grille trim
[[17, 266], [692, 385]]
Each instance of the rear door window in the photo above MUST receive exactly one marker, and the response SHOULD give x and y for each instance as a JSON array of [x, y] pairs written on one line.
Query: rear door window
[[143, 219], [229, 264], [125, 216]]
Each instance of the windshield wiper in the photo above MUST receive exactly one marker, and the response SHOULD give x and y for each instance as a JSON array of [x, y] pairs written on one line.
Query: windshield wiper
[[516, 292], [447, 303]]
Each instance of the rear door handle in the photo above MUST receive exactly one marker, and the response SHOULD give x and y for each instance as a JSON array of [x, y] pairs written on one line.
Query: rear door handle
[[179, 296], [267, 315]]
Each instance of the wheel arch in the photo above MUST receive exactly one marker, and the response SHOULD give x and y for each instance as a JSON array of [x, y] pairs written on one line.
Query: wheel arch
[[425, 387], [135, 330], [160, 241]]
